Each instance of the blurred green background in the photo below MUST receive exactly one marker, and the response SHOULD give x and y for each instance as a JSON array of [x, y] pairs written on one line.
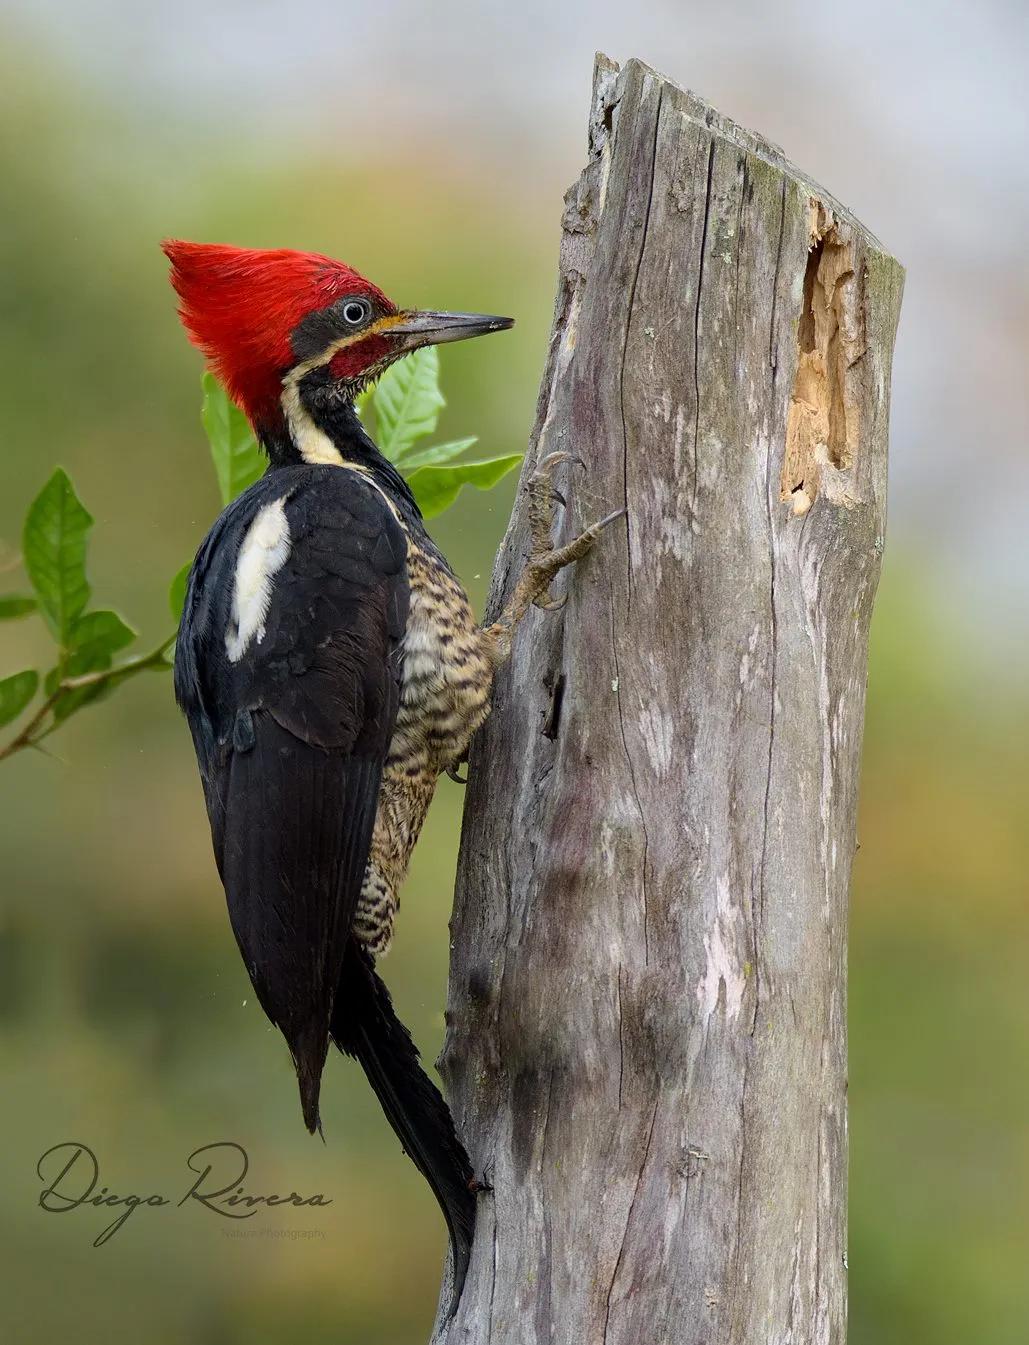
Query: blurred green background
[[430, 147]]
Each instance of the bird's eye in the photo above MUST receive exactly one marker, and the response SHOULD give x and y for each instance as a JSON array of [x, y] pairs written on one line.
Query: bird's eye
[[355, 311]]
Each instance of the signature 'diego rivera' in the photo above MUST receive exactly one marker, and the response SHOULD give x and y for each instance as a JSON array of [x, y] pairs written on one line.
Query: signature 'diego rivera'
[[70, 1174]]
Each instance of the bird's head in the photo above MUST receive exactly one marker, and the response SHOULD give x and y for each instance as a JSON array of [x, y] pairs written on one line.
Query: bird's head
[[280, 327]]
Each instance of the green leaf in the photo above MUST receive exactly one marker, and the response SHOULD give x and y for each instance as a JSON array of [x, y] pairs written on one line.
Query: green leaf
[[407, 402], [95, 638], [12, 605], [238, 460], [54, 546], [15, 693], [436, 455], [94, 641], [436, 488], [70, 701], [177, 591]]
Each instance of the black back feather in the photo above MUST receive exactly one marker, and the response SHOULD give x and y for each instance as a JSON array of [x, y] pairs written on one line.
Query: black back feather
[[291, 736], [291, 739]]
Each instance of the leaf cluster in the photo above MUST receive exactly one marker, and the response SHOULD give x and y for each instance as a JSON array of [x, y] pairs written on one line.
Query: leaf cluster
[[55, 539], [406, 403]]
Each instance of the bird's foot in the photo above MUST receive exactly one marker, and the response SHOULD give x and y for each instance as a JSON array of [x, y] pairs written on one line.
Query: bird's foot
[[545, 560]]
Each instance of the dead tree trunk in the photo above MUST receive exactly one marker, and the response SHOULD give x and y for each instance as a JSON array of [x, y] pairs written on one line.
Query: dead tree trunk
[[647, 1047]]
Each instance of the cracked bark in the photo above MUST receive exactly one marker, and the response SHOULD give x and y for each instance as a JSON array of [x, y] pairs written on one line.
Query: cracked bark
[[646, 1048]]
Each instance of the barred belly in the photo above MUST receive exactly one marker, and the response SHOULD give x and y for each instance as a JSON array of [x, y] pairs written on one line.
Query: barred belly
[[445, 692]]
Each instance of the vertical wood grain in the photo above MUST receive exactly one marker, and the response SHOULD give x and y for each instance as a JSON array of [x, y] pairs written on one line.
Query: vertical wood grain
[[646, 1047]]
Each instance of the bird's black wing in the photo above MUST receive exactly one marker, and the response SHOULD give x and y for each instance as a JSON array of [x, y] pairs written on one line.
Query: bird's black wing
[[292, 705]]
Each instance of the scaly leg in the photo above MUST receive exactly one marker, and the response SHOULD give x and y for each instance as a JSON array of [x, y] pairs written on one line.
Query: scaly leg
[[545, 560]]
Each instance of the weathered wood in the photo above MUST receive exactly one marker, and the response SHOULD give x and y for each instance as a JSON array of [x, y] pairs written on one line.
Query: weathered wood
[[647, 1021]]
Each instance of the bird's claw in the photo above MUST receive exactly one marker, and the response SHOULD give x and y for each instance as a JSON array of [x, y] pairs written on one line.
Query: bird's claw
[[455, 774], [545, 559], [547, 464], [553, 605], [543, 495], [598, 528]]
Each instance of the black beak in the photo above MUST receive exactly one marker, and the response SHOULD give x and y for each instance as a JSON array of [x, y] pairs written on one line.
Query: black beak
[[432, 329]]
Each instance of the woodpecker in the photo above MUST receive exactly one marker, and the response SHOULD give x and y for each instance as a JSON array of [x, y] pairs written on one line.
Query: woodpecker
[[330, 669]]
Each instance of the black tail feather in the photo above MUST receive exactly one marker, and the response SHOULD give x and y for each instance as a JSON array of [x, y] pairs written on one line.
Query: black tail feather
[[309, 1050], [365, 1026]]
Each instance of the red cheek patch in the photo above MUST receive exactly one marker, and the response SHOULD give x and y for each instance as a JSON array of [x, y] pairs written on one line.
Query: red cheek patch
[[351, 362]]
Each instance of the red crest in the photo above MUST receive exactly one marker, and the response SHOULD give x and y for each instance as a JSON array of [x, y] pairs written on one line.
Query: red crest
[[239, 306]]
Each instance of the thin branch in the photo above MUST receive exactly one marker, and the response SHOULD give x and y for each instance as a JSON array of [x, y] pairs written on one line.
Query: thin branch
[[25, 738], [37, 728]]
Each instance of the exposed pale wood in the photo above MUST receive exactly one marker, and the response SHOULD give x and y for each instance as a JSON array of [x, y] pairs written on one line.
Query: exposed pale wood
[[646, 1049]]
